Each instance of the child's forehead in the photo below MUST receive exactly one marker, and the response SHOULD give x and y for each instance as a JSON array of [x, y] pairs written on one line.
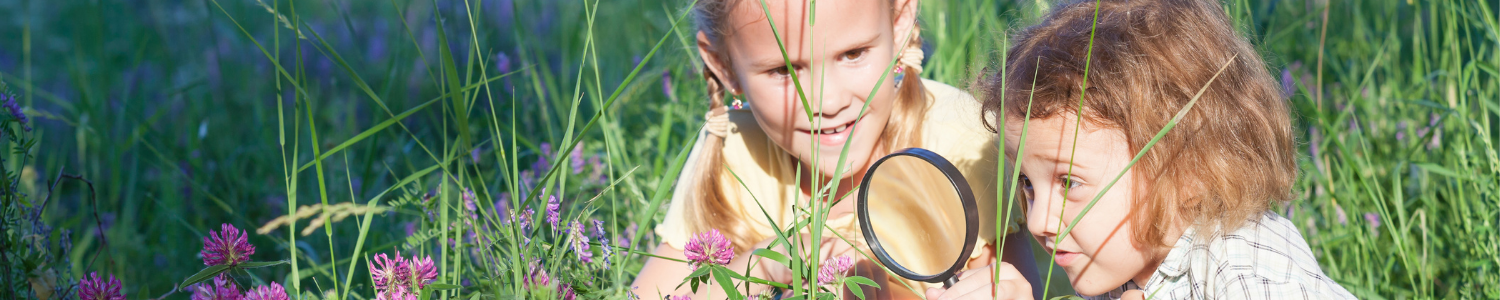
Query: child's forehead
[[841, 15], [1052, 137]]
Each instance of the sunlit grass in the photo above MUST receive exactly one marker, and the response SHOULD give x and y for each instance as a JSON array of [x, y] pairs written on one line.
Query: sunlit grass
[[184, 120]]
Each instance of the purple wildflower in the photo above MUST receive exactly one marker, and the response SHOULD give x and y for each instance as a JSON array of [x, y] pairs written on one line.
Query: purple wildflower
[[1288, 83], [553, 206], [1339, 213], [1314, 148], [474, 155], [271, 292], [227, 247], [537, 276], [398, 293], [396, 278], [607, 252], [468, 196], [422, 272], [666, 85], [597, 164], [575, 159], [629, 233], [709, 248], [834, 268], [567, 292], [526, 180], [15, 111], [222, 289], [390, 272], [599, 230], [1437, 132], [94, 288], [526, 219], [502, 63], [541, 165], [684, 297], [502, 203], [1401, 131], [1374, 220], [581, 243]]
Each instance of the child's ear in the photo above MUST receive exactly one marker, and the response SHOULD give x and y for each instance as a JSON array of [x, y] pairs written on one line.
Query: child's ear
[[905, 18], [713, 62]]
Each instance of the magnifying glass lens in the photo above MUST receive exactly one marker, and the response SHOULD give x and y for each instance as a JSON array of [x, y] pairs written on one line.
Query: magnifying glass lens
[[917, 214]]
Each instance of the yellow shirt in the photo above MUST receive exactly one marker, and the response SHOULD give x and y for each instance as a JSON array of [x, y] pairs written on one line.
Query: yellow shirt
[[952, 127]]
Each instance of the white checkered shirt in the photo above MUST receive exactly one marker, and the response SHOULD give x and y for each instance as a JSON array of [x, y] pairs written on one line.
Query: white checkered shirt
[[1265, 259]]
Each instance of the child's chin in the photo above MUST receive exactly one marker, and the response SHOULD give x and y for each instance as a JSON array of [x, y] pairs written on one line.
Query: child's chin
[[827, 169], [1091, 287], [827, 164]]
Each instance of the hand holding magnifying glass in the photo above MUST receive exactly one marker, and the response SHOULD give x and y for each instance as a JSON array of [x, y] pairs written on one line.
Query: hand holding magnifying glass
[[921, 221]]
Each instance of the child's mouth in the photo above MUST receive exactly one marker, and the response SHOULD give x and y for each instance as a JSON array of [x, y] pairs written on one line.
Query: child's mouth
[[1065, 258], [1062, 258], [835, 135]]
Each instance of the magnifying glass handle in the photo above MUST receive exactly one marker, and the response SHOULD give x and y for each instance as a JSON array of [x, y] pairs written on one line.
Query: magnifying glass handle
[[949, 283]]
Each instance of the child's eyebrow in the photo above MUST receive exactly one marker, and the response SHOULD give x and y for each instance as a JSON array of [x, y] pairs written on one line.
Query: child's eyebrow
[[1049, 158], [863, 42], [776, 62]]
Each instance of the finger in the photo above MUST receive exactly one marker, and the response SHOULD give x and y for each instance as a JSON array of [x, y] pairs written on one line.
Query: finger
[[1133, 295], [1020, 287], [981, 271], [969, 285], [992, 292], [935, 293], [1009, 271]]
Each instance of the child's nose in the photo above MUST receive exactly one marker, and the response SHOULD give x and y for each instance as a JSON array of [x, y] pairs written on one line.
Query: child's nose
[[833, 92], [1043, 218]]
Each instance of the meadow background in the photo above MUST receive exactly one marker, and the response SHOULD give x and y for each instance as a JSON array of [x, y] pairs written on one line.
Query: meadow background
[[152, 122]]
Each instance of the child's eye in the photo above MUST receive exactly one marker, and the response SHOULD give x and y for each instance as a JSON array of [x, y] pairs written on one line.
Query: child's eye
[[1026, 189], [781, 71], [854, 55], [1069, 182]]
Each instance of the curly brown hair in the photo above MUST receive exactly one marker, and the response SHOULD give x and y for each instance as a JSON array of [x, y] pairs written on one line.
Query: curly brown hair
[[1226, 161]]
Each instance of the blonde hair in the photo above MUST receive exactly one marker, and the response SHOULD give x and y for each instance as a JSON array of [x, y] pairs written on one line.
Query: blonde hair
[[710, 208], [1228, 158]]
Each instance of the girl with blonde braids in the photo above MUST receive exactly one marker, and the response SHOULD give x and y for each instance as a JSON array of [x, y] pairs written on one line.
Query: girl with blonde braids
[[758, 128]]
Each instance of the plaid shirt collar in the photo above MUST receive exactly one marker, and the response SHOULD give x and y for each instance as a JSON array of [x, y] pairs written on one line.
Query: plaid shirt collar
[[1176, 262]]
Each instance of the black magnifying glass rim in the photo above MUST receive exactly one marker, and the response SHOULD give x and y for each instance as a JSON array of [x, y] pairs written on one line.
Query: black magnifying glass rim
[[965, 195]]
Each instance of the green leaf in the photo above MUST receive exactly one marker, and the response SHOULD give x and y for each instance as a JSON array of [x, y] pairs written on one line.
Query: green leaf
[[721, 274], [854, 287], [760, 281], [259, 264], [861, 280], [773, 255], [1440, 170], [853, 283], [442, 287], [207, 273], [699, 272]]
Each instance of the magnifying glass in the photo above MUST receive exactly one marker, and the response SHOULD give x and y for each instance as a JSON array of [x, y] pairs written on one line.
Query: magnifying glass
[[918, 215]]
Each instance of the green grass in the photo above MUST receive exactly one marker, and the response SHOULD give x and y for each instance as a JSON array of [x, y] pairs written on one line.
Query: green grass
[[182, 122]]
